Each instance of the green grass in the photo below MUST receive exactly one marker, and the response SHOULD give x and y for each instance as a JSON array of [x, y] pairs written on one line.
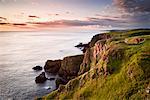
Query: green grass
[[130, 66]]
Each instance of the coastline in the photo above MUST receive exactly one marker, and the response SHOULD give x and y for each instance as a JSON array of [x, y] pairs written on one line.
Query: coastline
[[68, 67], [73, 68], [19, 55]]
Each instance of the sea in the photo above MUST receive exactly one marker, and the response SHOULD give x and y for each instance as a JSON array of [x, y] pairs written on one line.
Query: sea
[[21, 51]]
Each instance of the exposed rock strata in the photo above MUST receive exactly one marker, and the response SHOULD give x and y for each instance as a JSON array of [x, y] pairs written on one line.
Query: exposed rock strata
[[70, 66], [111, 69], [67, 68], [52, 66]]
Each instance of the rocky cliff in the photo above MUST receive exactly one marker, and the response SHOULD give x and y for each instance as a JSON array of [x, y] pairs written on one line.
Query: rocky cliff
[[70, 67], [67, 68], [116, 66]]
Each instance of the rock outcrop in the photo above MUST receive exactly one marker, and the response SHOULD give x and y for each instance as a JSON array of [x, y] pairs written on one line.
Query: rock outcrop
[[85, 47], [134, 40], [52, 66], [70, 66], [67, 68], [96, 54], [82, 47], [37, 68], [111, 69], [97, 37], [41, 78]]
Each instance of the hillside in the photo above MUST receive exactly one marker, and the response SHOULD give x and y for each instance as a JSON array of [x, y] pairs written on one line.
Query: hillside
[[116, 66]]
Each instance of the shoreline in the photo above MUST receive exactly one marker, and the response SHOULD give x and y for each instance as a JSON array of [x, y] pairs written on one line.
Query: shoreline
[[68, 67], [21, 55], [73, 68]]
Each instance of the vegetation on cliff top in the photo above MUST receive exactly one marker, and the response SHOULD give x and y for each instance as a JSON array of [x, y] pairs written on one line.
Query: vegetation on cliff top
[[113, 68]]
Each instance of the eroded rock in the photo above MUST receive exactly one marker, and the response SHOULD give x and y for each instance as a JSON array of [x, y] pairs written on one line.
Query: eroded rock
[[41, 78], [70, 66], [52, 66]]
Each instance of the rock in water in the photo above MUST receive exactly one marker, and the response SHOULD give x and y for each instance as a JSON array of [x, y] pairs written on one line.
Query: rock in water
[[82, 47], [51, 79], [48, 87], [52, 66], [37, 68], [41, 78]]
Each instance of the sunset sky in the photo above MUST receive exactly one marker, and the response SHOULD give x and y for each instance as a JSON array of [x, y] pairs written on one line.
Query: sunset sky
[[83, 14]]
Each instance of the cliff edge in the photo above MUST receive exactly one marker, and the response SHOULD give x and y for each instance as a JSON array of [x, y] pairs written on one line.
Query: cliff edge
[[116, 66]]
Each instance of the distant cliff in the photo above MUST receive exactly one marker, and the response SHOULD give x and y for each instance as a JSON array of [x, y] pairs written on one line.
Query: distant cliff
[[116, 66]]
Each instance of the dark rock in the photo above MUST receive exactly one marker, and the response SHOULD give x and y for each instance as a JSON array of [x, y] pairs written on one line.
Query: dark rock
[[52, 66], [70, 66], [39, 98], [79, 45], [66, 68], [41, 78], [60, 81], [51, 79], [48, 87], [82, 47], [37, 68]]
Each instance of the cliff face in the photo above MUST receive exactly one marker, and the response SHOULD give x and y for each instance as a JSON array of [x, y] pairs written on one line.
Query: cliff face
[[116, 66], [67, 68], [70, 66], [52, 66], [97, 56]]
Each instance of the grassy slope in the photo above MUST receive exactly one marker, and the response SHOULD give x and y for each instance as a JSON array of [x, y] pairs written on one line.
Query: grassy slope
[[129, 79]]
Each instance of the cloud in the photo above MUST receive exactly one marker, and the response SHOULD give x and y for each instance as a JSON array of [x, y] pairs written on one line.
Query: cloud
[[63, 23], [13, 24], [23, 26], [33, 16], [57, 14], [133, 5], [19, 24], [67, 12], [107, 16], [3, 23], [3, 18], [137, 11], [90, 21]]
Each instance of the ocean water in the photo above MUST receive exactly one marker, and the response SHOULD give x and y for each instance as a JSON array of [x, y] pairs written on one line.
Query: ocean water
[[20, 51]]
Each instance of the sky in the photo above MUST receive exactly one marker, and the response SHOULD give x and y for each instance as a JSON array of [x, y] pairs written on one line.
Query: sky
[[34, 15]]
